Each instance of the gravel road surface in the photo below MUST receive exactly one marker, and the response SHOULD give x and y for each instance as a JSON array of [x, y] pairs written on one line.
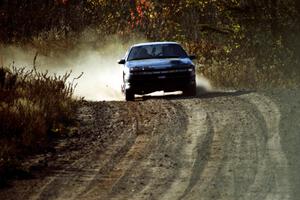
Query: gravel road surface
[[219, 145]]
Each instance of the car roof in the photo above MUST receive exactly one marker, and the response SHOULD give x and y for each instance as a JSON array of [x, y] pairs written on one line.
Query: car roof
[[153, 43]]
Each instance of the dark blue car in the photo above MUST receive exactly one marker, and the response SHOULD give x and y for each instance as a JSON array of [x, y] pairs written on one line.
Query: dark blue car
[[157, 66]]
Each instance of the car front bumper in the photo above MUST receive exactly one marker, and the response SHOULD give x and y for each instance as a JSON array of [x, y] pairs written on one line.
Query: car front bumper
[[147, 83]]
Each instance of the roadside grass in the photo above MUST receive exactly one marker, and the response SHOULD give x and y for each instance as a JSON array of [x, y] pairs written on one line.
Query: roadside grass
[[34, 107], [242, 70], [244, 75]]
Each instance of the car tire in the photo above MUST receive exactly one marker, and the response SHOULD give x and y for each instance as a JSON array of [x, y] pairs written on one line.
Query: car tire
[[190, 91], [129, 95]]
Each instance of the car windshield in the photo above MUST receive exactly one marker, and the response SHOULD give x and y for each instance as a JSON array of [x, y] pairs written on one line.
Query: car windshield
[[157, 51]]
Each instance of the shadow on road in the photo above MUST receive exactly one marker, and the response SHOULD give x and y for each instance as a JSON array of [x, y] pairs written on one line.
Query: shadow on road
[[200, 95], [222, 94]]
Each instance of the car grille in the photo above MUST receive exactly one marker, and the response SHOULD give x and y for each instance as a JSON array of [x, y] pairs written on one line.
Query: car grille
[[169, 71], [159, 75]]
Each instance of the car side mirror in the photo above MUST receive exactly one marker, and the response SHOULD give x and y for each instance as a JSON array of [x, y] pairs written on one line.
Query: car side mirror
[[121, 62], [192, 57]]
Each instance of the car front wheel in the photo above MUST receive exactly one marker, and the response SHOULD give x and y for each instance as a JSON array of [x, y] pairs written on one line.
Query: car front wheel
[[129, 95], [190, 91]]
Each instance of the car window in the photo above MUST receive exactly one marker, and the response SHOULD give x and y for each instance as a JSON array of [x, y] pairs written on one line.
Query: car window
[[157, 51]]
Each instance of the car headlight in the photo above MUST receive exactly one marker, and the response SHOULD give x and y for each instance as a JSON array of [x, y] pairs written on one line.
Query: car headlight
[[134, 69], [192, 70]]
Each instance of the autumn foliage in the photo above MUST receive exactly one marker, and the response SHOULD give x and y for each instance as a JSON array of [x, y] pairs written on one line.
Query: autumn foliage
[[238, 43], [234, 39]]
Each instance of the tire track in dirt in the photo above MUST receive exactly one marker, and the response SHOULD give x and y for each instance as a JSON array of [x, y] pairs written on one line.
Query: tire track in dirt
[[239, 162], [278, 166], [76, 175], [207, 154], [220, 147], [156, 168], [244, 169], [243, 146], [199, 137], [149, 122]]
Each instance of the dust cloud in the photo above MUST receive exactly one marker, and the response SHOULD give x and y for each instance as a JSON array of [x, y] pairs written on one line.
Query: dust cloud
[[203, 84], [102, 76]]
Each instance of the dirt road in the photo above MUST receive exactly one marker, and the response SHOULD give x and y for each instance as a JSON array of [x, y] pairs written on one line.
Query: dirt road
[[222, 145]]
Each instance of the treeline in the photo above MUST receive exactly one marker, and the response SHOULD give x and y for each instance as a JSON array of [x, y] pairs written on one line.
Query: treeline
[[257, 36]]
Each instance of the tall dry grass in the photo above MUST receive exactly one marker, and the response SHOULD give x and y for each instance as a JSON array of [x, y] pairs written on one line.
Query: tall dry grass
[[242, 69], [33, 107]]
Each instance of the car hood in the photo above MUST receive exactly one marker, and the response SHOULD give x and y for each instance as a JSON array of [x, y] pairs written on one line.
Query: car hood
[[159, 63]]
